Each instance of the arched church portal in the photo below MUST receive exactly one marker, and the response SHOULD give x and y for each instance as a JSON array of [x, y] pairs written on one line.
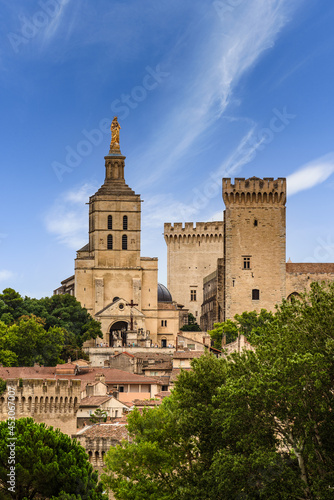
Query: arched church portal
[[118, 334]]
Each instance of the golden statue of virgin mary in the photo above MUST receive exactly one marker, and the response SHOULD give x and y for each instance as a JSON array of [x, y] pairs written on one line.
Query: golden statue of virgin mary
[[115, 128]]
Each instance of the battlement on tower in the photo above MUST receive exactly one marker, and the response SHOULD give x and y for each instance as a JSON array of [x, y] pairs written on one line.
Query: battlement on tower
[[254, 191], [51, 387], [213, 228]]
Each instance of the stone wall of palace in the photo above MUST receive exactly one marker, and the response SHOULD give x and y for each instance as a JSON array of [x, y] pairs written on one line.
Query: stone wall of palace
[[192, 253], [54, 402]]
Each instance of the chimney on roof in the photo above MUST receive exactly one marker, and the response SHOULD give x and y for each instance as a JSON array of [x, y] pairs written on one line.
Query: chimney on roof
[[100, 378]]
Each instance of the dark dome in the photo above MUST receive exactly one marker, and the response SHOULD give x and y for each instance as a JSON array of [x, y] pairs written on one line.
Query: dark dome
[[164, 294]]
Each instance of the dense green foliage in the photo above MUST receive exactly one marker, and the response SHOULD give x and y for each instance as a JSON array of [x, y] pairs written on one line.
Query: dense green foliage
[[3, 386], [43, 331], [27, 342], [48, 464], [192, 325], [253, 426], [98, 416], [248, 323]]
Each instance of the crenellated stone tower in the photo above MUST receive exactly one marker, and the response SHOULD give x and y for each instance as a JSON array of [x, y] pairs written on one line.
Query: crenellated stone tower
[[192, 253], [254, 244]]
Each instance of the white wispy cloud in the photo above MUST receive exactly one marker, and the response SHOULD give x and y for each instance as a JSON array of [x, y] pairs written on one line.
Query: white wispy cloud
[[67, 219], [239, 40], [56, 20], [164, 207], [6, 275], [311, 174]]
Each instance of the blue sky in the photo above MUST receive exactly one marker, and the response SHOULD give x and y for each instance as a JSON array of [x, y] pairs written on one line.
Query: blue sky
[[203, 90]]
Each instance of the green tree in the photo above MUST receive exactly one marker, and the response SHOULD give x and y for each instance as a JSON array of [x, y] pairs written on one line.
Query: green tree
[[98, 416], [285, 387], [48, 464], [247, 323], [171, 446], [228, 328], [257, 425], [61, 311], [13, 302], [27, 342], [252, 323], [3, 386], [65, 312], [192, 325]]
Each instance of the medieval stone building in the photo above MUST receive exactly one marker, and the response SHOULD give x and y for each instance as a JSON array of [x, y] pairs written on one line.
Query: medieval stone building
[[239, 264], [112, 280], [214, 269]]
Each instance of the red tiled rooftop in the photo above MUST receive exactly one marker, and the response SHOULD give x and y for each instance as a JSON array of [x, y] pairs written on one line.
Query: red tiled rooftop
[[116, 431], [153, 355], [124, 352], [163, 394], [94, 400], [165, 365], [310, 267], [187, 354], [112, 375], [147, 402]]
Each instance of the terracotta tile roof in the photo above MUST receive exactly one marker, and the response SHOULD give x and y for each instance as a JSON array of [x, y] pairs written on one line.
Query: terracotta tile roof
[[165, 365], [66, 365], [114, 431], [147, 402], [121, 420], [82, 362], [94, 400], [124, 352], [187, 354], [97, 382], [163, 394], [112, 375], [192, 340], [27, 372], [311, 267], [152, 355], [162, 380]]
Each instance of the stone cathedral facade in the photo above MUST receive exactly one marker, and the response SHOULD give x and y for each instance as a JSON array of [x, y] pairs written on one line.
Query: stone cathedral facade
[[112, 280]]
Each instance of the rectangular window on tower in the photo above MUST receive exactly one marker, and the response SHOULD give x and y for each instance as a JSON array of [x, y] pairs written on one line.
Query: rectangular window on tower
[[193, 297], [255, 294], [246, 262]]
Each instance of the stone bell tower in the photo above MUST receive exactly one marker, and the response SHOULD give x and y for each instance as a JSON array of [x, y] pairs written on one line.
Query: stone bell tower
[[118, 286], [254, 244], [109, 266], [115, 215]]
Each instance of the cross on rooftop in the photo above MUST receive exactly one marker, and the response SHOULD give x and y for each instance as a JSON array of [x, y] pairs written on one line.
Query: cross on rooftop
[[132, 305]]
